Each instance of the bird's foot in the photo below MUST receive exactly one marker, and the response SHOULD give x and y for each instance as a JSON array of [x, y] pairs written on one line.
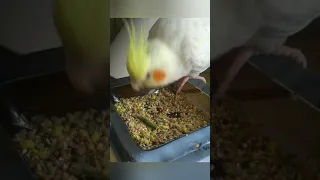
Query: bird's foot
[[243, 56], [294, 53], [185, 79], [200, 78]]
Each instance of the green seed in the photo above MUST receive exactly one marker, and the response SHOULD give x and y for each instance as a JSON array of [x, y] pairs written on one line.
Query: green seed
[[27, 144]]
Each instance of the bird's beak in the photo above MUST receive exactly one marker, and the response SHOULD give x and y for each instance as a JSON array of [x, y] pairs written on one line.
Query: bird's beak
[[135, 85]]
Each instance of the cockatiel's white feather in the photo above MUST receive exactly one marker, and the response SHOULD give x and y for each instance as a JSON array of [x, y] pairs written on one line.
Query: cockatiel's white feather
[[234, 22], [259, 23], [189, 39], [261, 26], [282, 19]]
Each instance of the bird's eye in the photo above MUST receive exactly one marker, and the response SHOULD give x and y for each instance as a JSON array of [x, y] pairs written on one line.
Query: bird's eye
[[148, 75]]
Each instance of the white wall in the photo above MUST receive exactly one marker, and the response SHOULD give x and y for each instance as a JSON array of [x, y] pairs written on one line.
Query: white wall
[[159, 8], [27, 25]]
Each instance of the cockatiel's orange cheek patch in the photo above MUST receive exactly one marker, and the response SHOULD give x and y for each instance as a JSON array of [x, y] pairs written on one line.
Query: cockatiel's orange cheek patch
[[158, 75]]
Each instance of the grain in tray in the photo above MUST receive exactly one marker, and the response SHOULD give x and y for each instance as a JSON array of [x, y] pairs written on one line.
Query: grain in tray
[[72, 147], [156, 119]]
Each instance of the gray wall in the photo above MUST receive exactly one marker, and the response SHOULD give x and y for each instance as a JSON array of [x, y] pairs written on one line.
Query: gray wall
[[115, 25], [27, 25]]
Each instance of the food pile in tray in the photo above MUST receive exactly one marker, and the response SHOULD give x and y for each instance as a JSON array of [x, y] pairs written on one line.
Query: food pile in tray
[[156, 119], [72, 147], [239, 152]]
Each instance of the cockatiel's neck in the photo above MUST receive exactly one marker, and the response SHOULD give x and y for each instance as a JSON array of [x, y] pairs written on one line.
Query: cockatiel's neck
[[161, 55]]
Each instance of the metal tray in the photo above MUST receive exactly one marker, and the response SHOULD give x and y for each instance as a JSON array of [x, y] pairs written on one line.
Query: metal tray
[[51, 95], [197, 93]]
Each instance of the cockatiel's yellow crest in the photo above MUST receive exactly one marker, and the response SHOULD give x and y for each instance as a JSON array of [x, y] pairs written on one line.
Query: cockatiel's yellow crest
[[138, 62], [83, 27]]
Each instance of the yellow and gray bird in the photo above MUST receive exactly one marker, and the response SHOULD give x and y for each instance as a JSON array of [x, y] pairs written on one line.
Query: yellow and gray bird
[[176, 49], [83, 26]]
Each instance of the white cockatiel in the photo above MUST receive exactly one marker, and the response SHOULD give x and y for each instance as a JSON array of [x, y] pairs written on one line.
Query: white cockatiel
[[261, 27], [176, 49]]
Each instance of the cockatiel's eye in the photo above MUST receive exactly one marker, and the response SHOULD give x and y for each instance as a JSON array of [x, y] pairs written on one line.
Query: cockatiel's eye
[[148, 75]]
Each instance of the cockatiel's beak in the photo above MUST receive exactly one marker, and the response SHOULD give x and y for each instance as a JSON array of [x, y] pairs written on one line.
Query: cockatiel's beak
[[136, 85]]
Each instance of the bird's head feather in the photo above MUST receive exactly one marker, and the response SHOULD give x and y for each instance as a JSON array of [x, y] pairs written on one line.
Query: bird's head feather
[[137, 60]]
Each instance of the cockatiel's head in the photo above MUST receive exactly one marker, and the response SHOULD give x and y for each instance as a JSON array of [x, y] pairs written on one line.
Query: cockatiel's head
[[145, 72], [83, 27]]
